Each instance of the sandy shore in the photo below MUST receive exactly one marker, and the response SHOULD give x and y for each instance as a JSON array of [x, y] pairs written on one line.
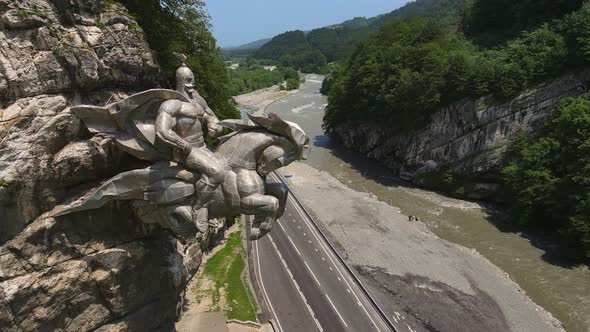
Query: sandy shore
[[259, 100], [420, 280]]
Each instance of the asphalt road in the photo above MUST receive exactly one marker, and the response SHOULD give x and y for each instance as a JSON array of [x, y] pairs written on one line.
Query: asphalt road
[[302, 282]]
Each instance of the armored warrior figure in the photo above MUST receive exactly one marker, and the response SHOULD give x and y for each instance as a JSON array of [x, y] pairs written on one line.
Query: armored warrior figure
[[179, 125], [188, 185]]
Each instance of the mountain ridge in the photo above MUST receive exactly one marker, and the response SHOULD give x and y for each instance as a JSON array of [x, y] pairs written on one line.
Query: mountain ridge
[[310, 51]]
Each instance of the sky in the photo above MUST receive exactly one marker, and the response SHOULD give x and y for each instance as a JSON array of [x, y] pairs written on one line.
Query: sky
[[237, 22]]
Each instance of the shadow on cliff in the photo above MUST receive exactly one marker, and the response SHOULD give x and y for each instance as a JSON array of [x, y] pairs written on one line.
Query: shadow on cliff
[[370, 169], [378, 172]]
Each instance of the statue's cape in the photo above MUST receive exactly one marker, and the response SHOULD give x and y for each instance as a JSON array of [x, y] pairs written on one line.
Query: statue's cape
[[160, 184], [130, 121]]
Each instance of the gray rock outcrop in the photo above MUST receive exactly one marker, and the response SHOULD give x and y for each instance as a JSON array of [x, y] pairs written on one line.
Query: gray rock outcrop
[[93, 271], [54, 54], [97, 271], [57, 46], [467, 139]]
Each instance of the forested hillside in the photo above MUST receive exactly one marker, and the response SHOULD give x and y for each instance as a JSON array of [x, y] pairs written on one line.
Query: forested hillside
[[310, 52], [183, 26], [414, 66]]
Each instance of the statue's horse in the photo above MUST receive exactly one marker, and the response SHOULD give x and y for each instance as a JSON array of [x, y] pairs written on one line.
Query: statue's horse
[[164, 193]]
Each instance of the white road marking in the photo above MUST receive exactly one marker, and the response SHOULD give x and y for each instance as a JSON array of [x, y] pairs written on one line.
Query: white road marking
[[294, 246], [330, 267], [348, 290], [325, 260], [339, 279], [312, 274], [339, 315], [307, 222], [295, 283], [313, 231], [264, 289]]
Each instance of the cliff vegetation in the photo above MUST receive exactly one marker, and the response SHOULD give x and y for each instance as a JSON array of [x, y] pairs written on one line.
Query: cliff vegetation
[[510, 63], [412, 67], [549, 176], [182, 26]]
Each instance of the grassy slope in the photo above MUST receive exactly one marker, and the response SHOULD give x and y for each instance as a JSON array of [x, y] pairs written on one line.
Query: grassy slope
[[226, 268]]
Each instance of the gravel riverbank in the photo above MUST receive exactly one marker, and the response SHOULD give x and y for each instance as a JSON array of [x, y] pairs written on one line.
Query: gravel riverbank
[[420, 280], [259, 100]]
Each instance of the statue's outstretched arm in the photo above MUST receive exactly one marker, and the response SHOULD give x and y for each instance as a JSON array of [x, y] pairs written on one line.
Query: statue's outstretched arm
[[165, 123]]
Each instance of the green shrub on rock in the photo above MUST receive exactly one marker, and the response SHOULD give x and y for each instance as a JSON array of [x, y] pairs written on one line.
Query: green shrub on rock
[[549, 177]]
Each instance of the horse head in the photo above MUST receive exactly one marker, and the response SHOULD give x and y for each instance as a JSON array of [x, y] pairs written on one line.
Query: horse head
[[273, 142]]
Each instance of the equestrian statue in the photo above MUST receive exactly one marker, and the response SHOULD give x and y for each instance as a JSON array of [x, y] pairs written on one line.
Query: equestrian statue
[[189, 184]]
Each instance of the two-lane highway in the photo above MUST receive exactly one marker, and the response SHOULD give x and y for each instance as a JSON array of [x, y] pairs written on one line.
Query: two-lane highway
[[303, 283]]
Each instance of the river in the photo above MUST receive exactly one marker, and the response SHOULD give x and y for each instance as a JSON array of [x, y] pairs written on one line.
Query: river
[[562, 290]]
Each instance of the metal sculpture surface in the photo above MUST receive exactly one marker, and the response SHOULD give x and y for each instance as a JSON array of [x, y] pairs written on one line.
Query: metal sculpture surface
[[189, 184]]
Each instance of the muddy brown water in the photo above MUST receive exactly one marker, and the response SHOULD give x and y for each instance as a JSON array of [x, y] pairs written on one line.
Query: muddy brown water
[[562, 290]]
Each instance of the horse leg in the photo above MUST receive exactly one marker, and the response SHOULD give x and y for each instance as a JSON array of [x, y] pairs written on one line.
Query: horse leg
[[264, 208], [179, 219]]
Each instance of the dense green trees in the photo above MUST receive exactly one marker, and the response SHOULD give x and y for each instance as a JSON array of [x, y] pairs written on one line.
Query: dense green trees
[[396, 77], [338, 42], [251, 76], [549, 177], [412, 66], [287, 43], [492, 21], [183, 26], [247, 79], [445, 12], [291, 49], [310, 52]]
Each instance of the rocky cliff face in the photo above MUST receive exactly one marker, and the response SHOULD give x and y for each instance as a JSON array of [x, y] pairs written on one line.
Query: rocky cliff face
[[462, 148], [102, 270]]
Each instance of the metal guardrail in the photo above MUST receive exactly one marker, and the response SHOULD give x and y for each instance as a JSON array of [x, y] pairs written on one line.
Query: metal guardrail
[[350, 271]]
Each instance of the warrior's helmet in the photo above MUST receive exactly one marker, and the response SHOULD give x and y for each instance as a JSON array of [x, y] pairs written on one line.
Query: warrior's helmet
[[185, 79]]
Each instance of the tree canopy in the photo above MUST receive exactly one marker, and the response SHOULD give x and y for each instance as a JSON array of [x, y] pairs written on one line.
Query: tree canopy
[[183, 26], [494, 21], [549, 177], [310, 52], [414, 66]]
